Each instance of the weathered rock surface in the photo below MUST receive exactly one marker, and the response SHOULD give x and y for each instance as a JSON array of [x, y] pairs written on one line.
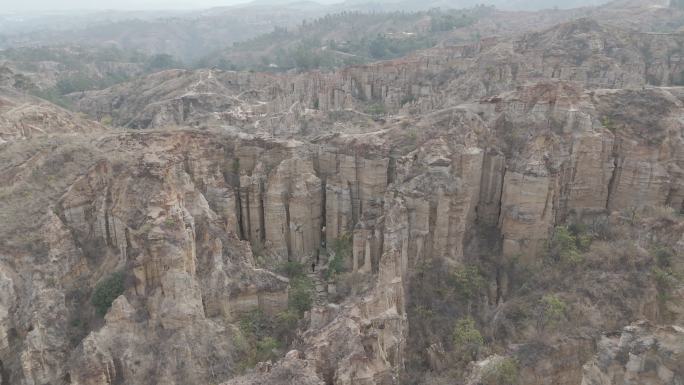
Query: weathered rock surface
[[23, 116], [584, 51], [639, 354], [292, 369], [482, 152], [174, 209]]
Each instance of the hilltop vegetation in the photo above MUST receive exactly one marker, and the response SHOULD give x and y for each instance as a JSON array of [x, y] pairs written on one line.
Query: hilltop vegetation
[[55, 71], [343, 39]]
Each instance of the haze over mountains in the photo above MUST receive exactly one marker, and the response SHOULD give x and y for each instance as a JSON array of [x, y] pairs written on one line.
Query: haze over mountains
[[190, 35], [72, 5]]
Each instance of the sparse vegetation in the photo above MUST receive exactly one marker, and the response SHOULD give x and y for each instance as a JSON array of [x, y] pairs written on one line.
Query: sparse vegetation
[[106, 291], [107, 120], [553, 309], [258, 330], [291, 269], [342, 251], [514, 138], [236, 165], [501, 372], [467, 281], [608, 124], [376, 109], [266, 349], [440, 22], [51, 95], [408, 99], [285, 325], [301, 295], [161, 62], [412, 136], [568, 243], [341, 39], [467, 339], [263, 337], [664, 274]]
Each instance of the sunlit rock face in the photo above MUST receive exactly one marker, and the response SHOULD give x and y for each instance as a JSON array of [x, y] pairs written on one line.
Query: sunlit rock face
[[640, 353]]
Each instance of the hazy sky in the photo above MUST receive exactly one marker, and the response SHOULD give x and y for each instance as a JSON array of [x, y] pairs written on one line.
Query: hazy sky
[[12, 6], [60, 5]]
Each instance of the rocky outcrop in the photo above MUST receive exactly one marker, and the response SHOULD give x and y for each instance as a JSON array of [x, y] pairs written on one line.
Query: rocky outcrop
[[23, 116], [177, 211], [292, 368], [583, 51], [640, 353]]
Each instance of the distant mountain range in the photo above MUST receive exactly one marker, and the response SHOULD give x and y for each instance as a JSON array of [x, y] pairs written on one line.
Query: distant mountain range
[[392, 5], [191, 35]]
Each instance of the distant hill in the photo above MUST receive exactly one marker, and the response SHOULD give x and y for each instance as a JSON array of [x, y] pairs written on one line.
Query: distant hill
[[414, 5], [186, 36], [345, 38]]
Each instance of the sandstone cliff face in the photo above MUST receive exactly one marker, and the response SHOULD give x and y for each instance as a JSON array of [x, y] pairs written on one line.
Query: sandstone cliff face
[[582, 161], [148, 219], [574, 162], [584, 51], [452, 156], [178, 214]]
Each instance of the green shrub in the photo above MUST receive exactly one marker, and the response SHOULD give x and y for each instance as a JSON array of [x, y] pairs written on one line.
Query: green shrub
[[343, 245], [240, 339], [467, 281], [52, 95], [412, 136], [567, 243], [601, 229], [446, 22], [292, 269], [407, 99], [342, 250], [107, 120], [465, 333], [630, 215], [285, 324], [254, 323], [501, 372], [376, 109], [335, 267], [553, 309], [261, 337], [663, 257], [608, 123], [106, 291], [76, 83], [467, 339], [423, 312], [300, 296], [666, 273], [666, 279], [266, 349], [161, 62]]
